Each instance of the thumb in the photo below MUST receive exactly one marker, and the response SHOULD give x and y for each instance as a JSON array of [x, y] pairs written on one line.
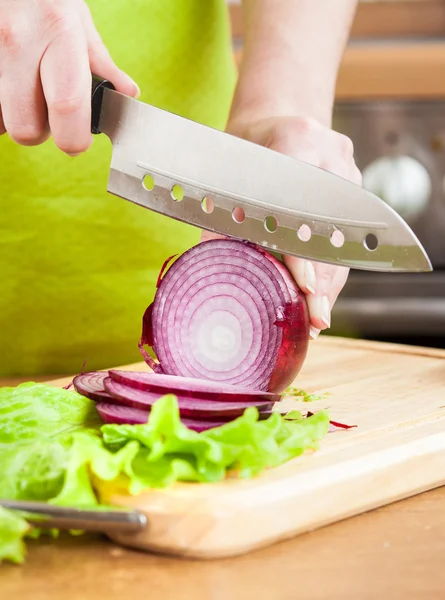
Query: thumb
[[101, 63]]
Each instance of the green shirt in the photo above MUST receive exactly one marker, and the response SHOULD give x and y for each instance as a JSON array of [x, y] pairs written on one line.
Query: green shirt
[[78, 265]]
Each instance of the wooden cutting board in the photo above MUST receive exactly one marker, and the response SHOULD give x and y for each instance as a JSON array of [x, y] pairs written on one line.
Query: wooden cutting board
[[396, 397]]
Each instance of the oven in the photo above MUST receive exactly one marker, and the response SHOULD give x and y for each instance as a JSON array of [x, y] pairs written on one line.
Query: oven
[[400, 150]]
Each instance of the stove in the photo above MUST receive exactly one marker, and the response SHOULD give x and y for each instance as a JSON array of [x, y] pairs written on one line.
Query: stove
[[400, 150]]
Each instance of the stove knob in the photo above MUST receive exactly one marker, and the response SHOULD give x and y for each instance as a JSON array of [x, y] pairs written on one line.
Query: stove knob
[[401, 181]]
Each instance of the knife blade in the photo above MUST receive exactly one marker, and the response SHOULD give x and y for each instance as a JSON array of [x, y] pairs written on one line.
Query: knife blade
[[221, 183], [47, 516]]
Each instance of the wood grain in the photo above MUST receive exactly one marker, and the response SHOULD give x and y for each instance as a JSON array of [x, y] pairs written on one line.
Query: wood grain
[[396, 51], [396, 397], [392, 71], [381, 19], [393, 553], [389, 71]]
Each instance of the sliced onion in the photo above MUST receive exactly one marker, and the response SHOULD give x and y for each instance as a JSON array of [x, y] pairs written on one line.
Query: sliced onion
[[126, 415], [91, 385], [188, 406], [231, 313], [196, 388], [119, 414]]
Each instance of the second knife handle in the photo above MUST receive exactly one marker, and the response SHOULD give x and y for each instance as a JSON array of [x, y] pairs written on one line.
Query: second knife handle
[[97, 92]]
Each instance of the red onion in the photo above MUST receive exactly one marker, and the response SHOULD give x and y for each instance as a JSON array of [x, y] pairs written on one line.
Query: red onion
[[231, 313], [196, 388], [189, 406], [91, 385], [119, 414], [125, 415]]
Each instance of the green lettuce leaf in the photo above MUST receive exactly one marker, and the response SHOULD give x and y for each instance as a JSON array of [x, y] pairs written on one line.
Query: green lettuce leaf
[[34, 411], [12, 531], [53, 449]]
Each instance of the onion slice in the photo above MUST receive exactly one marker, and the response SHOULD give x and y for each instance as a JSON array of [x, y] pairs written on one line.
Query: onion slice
[[126, 415], [91, 385], [119, 414], [196, 388], [228, 312], [188, 406]]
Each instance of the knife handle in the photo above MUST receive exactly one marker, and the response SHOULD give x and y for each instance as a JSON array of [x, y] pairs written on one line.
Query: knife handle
[[97, 92]]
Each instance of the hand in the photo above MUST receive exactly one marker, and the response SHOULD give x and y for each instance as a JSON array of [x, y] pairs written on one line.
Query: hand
[[307, 140], [48, 50]]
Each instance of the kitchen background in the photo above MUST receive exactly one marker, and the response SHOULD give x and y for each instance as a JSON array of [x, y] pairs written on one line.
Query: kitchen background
[[390, 101]]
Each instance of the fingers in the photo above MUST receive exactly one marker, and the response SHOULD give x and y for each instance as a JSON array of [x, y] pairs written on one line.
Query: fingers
[[320, 311], [101, 63], [24, 113], [47, 54], [355, 175], [330, 281], [322, 284], [303, 272], [209, 235], [297, 138], [23, 106], [66, 81]]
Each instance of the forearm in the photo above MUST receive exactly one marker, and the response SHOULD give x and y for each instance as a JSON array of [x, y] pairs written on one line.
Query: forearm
[[292, 52]]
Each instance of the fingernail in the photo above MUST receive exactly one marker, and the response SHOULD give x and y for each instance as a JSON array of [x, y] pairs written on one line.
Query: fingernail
[[132, 81], [326, 311], [314, 332], [138, 90], [74, 154], [310, 279]]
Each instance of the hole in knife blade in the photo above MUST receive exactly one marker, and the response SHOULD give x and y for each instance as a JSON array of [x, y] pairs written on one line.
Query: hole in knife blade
[[177, 193], [207, 204], [337, 238], [271, 224], [238, 214], [304, 233], [148, 182], [371, 242]]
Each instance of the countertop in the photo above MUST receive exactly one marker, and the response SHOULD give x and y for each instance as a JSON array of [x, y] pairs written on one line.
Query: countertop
[[391, 553]]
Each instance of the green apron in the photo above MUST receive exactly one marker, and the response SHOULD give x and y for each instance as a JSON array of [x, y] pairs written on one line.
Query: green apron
[[78, 266]]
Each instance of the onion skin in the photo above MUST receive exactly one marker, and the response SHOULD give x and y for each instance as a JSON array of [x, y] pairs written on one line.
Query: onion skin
[[295, 341], [277, 362]]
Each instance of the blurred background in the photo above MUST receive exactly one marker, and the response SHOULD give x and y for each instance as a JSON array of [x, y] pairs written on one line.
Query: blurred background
[[390, 101]]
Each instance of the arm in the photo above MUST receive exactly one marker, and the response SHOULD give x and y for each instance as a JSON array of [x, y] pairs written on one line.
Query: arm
[[292, 53], [284, 100]]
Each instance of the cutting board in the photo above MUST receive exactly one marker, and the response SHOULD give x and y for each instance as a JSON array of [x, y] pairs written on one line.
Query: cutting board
[[396, 397]]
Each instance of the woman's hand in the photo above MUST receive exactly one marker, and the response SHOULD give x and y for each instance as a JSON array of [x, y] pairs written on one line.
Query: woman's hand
[[305, 139], [283, 100], [48, 50]]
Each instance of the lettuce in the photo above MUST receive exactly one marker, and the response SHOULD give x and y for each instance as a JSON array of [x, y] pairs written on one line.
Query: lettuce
[[12, 530], [54, 449]]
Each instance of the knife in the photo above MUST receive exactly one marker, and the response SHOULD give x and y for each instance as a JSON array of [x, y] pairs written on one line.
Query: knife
[[47, 516], [221, 183]]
